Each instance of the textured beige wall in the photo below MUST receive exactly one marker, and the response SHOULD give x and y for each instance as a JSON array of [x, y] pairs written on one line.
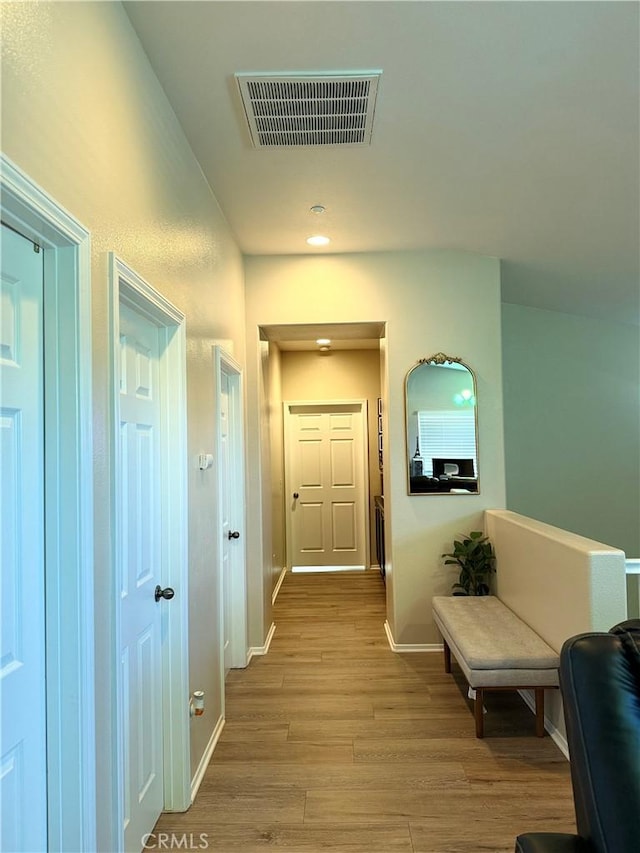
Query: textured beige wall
[[84, 116], [340, 375], [411, 292]]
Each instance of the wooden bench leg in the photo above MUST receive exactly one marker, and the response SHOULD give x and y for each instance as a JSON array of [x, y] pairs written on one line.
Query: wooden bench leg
[[539, 711], [447, 656], [479, 712]]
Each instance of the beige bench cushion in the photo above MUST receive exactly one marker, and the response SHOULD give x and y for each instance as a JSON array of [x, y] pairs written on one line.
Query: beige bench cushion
[[486, 636]]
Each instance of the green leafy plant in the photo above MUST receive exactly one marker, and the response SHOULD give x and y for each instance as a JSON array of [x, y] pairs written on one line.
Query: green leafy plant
[[476, 559]]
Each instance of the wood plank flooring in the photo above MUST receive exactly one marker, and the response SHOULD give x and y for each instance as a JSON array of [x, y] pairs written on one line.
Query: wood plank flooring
[[335, 743]]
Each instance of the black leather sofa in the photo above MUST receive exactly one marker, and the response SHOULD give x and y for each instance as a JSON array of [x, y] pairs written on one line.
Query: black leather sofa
[[600, 684]]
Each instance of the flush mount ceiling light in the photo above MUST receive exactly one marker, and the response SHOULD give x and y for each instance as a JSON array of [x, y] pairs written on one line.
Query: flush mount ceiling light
[[284, 109], [318, 240], [317, 208], [323, 342]]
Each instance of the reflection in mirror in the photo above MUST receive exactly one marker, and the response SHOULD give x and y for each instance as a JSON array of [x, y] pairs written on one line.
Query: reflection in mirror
[[442, 427]]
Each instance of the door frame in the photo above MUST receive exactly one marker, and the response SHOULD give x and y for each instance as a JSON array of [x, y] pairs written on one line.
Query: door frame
[[288, 488], [69, 556], [128, 287], [227, 365]]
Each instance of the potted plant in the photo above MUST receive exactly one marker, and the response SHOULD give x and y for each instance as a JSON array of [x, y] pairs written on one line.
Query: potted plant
[[474, 554]]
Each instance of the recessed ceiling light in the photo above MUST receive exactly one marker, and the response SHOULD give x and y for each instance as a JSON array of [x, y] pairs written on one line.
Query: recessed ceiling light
[[317, 208], [318, 240], [323, 342]]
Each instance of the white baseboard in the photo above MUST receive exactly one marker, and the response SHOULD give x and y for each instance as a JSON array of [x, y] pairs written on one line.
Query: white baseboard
[[409, 647], [556, 735], [206, 758], [276, 589], [262, 650]]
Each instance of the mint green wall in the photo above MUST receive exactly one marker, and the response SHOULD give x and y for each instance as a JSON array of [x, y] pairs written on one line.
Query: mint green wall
[[572, 423]]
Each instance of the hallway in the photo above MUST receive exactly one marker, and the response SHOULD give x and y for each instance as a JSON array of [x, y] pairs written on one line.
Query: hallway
[[333, 742]]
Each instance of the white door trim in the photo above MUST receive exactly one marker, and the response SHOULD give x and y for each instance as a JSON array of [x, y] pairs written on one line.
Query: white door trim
[[290, 487], [68, 506], [128, 287], [225, 364]]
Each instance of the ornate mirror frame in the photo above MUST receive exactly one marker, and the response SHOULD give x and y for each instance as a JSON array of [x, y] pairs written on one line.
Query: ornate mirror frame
[[459, 476]]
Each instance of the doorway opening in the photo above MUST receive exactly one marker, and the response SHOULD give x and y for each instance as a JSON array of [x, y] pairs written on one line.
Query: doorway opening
[[295, 368]]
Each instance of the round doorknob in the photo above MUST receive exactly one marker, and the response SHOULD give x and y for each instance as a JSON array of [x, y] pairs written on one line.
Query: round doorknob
[[167, 593], [296, 496], [234, 534]]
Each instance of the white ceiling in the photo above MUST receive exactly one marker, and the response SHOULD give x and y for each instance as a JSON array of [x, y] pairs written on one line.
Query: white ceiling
[[505, 128]]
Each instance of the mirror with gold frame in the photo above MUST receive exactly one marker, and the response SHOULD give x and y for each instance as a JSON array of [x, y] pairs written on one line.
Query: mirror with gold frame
[[441, 427]]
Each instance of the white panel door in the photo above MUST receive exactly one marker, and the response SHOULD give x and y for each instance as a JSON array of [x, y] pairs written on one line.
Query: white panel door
[[229, 444], [327, 480], [139, 510], [226, 509], [23, 771]]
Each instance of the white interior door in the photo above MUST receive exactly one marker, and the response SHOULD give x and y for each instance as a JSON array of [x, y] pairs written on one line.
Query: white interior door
[[231, 510], [229, 533], [23, 770], [326, 482], [139, 511]]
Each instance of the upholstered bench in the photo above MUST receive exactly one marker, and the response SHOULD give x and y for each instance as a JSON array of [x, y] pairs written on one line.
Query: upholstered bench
[[495, 649]]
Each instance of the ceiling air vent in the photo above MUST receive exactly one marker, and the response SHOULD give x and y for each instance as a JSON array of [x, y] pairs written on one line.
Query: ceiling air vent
[[309, 109]]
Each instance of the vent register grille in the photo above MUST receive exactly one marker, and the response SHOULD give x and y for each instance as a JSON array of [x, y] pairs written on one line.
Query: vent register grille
[[295, 110]]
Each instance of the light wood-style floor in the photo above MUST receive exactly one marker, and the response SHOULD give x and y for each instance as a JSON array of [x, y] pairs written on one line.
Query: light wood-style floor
[[335, 743]]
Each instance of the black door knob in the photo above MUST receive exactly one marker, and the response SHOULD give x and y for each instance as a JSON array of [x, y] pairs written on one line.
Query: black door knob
[[167, 593], [234, 534], [296, 496]]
